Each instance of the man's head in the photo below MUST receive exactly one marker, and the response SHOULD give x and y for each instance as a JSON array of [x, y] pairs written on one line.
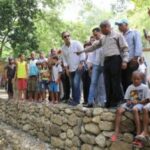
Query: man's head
[[105, 27], [96, 33], [122, 25], [66, 37]]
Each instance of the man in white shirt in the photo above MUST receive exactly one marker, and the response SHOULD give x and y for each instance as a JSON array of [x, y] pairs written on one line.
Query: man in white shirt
[[97, 63], [73, 64]]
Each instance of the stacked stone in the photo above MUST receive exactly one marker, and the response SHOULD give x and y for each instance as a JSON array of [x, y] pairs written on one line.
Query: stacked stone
[[69, 128]]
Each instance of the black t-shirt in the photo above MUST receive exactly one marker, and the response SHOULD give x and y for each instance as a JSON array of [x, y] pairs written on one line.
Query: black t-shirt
[[11, 69]]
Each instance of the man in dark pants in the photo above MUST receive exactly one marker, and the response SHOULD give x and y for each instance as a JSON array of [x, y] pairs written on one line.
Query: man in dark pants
[[66, 86], [115, 58], [134, 41]]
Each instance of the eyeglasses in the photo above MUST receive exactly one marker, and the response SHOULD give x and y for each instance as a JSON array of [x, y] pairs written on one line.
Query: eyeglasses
[[66, 36]]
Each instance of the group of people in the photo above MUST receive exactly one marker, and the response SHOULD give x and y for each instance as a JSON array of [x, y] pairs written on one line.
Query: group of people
[[109, 67]]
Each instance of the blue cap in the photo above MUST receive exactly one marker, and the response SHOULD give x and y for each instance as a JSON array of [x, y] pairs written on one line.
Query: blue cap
[[121, 21]]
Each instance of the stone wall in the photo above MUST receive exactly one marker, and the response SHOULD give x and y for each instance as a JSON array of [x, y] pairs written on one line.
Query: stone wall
[[68, 128]]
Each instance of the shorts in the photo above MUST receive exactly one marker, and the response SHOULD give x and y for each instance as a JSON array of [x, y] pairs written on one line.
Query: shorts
[[147, 106], [22, 84], [44, 85], [53, 87], [130, 108], [32, 84]]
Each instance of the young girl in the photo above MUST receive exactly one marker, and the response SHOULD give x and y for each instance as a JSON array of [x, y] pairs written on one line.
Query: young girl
[[21, 75], [136, 96]]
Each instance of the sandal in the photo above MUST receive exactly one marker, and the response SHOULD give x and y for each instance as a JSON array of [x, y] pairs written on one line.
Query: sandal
[[141, 138], [114, 138], [138, 143]]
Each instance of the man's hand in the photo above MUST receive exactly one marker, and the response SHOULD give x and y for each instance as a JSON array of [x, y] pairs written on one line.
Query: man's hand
[[67, 72], [129, 102], [80, 67], [79, 53], [124, 65]]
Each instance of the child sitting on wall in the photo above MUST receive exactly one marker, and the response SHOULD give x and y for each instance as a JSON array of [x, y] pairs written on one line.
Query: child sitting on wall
[[136, 96]]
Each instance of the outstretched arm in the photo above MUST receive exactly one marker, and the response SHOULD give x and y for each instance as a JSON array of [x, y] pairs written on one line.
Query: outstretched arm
[[92, 48]]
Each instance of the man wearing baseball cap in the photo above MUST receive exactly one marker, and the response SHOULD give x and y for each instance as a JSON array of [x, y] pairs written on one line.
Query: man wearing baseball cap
[[133, 39]]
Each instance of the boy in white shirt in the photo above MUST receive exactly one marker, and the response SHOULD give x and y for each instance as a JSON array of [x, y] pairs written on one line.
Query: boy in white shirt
[[56, 71]]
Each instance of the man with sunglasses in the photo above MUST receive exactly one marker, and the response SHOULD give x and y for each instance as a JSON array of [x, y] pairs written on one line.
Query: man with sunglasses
[[73, 65]]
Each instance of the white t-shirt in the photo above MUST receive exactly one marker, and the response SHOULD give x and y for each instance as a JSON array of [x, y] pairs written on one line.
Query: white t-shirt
[[140, 92], [70, 58], [56, 70]]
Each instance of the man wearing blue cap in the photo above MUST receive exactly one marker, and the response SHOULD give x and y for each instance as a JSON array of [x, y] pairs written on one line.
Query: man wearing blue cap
[[133, 39]]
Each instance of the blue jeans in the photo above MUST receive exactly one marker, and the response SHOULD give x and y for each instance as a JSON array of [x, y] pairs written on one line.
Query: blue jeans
[[96, 72], [75, 85]]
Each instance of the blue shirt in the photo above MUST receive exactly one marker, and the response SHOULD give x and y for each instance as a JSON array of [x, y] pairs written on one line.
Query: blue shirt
[[133, 39], [33, 69]]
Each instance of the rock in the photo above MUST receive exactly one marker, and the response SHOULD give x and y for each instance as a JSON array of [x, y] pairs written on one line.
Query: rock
[[106, 126], [72, 120], [56, 119], [77, 130], [127, 126], [55, 130], [97, 111], [108, 143], [47, 112], [87, 138], [101, 140], [74, 148], [68, 143], [108, 116], [127, 137], [92, 128], [68, 111], [107, 134], [76, 141], [86, 147], [119, 145], [63, 136], [64, 127], [56, 142], [26, 127], [88, 112], [82, 129], [87, 119], [70, 133], [98, 148], [96, 119], [129, 115]]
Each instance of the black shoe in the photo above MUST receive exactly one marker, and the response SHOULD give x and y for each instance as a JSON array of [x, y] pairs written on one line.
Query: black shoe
[[89, 106]]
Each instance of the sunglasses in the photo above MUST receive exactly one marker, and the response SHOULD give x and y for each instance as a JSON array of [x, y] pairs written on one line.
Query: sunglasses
[[66, 36]]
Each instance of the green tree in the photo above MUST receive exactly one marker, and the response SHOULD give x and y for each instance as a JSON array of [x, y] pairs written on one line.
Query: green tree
[[16, 25]]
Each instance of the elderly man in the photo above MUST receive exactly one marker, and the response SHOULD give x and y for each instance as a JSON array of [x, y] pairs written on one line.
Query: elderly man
[[115, 58], [134, 41], [73, 64]]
